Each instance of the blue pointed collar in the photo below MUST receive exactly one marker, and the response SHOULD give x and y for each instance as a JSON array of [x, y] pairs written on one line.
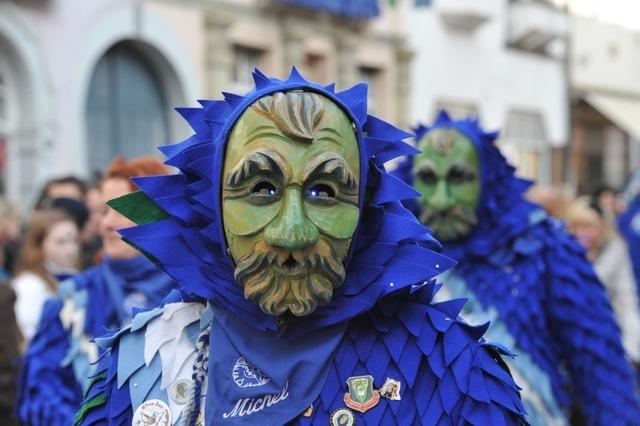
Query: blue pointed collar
[[390, 250]]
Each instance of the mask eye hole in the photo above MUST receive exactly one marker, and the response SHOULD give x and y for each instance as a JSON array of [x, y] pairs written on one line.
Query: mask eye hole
[[460, 175], [264, 191], [321, 190], [321, 193], [426, 176], [264, 188]]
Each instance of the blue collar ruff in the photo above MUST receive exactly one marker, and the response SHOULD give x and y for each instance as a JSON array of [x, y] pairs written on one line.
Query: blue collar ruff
[[391, 251]]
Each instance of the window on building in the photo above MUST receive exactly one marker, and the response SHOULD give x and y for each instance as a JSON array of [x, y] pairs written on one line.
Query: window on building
[[371, 76], [525, 126], [245, 60], [525, 146], [126, 108], [457, 109], [526, 161]]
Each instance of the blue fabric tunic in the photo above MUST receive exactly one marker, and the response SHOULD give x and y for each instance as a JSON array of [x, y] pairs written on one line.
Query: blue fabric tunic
[[526, 275], [629, 223], [58, 361], [380, 322]]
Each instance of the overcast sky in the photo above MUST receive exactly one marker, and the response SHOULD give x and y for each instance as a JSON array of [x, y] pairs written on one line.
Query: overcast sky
[[622, 12]]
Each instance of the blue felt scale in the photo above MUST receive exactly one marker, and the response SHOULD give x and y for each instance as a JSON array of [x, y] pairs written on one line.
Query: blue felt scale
[[448, 373]]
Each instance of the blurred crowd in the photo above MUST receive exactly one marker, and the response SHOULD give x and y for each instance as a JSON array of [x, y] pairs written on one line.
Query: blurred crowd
[[69, 230]]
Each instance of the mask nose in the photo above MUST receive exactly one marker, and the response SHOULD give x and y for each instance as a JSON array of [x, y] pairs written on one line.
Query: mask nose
[[292, 230], [441, 199]]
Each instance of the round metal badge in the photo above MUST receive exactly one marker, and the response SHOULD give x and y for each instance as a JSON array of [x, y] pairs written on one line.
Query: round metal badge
[[180, 391], [342, 417], [152, 413]]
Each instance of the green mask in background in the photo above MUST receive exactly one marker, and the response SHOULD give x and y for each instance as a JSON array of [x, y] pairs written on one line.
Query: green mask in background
[[290, 200], [447, 175]]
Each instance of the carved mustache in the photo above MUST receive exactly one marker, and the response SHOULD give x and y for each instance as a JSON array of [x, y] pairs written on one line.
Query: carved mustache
[[299, 281]]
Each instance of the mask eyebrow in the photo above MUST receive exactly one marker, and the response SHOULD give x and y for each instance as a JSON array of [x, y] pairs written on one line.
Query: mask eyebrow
[[425, 165], [461, 167], [260, 160], [332, 164]]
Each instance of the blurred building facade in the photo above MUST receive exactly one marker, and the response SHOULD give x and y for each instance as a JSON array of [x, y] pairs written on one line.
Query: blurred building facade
[[81, 82], [605, 148], [502, 61]]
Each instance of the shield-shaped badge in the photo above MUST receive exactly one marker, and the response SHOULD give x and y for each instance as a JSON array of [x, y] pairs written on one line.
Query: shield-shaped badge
[[361, 396]]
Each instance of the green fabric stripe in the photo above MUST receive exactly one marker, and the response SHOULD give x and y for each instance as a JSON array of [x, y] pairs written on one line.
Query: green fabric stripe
[[93, 380], [94, 402], [138, 207]]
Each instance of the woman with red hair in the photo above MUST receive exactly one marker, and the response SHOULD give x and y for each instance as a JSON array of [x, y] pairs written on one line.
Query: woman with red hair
[[102, 298]]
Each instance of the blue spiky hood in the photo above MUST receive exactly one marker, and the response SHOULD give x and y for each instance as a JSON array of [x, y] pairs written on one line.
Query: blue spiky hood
[[390, 250], [501, 205]]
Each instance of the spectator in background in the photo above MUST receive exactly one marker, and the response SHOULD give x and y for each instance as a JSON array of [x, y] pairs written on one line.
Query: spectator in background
[[76, 210], [64, 187], [84, 204], [611, 259], [59, 361], [9, 238], [606, 199], [9, 333], [9, 354], [91, 239], [48, 255], [553, 200]]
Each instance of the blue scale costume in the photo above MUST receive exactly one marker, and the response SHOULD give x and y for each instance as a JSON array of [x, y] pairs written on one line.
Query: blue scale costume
[[380, 322], [629, 222], [58, 360], [525, 274]]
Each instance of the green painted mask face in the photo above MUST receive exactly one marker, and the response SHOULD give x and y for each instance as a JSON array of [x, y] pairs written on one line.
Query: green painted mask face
[[290, 200], [447, 175]]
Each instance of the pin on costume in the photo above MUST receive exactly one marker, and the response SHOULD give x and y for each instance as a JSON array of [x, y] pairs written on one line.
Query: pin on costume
[[305, 279]]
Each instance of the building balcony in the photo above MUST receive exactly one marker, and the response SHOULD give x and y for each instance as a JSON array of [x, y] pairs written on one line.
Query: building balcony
[[534, 25], [464, 15]]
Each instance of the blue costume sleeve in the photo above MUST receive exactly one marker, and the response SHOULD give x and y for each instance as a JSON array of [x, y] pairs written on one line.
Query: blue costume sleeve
[[629, 226], [588, 337], [49, 394]]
